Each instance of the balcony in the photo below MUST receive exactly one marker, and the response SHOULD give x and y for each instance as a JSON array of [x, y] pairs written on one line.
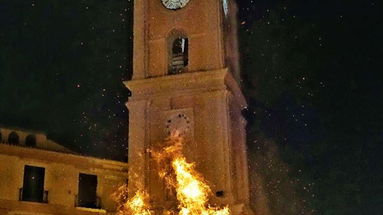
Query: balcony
[[93, 203], [41, 197]]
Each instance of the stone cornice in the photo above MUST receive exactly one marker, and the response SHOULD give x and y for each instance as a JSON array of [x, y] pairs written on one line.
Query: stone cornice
[[64, 158], [185, 84]]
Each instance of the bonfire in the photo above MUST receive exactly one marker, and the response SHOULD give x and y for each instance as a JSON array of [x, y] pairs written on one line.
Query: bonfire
[[192, 191]]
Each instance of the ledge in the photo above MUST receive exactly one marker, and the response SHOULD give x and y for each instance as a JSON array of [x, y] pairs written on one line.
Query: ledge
[[94, 210], [185, 83], [63, 158], [13, 207]]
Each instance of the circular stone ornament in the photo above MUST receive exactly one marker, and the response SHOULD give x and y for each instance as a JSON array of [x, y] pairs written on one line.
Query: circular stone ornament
[[174, 4]]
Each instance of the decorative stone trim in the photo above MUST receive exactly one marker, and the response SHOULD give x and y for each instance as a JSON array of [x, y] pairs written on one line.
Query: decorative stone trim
[[186, 83]]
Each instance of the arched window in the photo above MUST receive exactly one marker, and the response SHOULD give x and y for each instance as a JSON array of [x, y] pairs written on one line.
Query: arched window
[[30, 141], [13, 138], [178, 55]]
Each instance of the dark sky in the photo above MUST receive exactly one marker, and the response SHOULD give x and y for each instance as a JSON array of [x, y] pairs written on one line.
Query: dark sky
[[311, 73]]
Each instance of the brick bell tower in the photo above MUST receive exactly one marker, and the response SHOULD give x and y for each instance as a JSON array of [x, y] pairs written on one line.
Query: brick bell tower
[[186, 77]]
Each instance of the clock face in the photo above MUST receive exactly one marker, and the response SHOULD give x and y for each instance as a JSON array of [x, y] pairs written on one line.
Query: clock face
[[174, 4], [179, 123]]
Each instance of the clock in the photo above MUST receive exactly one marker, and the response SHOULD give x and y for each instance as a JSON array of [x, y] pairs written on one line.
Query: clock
[[179, 123], [174, 4]]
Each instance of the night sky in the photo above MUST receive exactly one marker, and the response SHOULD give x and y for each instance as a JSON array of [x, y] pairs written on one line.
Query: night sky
[[311, 74]]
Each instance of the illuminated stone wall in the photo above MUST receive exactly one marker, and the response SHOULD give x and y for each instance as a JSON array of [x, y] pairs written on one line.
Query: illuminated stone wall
[[61, 180]]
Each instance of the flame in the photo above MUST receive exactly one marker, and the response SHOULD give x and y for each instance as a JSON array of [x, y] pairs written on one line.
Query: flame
[[137, 205], [192, 191]]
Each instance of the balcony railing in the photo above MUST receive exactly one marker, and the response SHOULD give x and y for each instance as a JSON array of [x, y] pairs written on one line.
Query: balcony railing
[[96, 204], [39, 198]]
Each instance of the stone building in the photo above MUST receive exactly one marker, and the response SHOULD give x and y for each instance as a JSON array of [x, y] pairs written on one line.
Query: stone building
[[41, 177]]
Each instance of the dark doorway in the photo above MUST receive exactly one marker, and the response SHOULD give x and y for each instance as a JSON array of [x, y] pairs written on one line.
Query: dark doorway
[[30, 141], [87, 191], [13, 138], [33, 187]]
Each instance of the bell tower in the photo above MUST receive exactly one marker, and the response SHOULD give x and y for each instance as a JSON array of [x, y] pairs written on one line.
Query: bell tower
[[186, 77]]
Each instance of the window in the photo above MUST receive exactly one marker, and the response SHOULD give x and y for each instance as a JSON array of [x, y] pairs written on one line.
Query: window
[[33, 186], [87, 191], [30, 141], [179, 55], [13, 138]]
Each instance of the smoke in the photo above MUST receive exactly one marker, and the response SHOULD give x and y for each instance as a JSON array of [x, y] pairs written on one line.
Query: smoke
[[276, 190]]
